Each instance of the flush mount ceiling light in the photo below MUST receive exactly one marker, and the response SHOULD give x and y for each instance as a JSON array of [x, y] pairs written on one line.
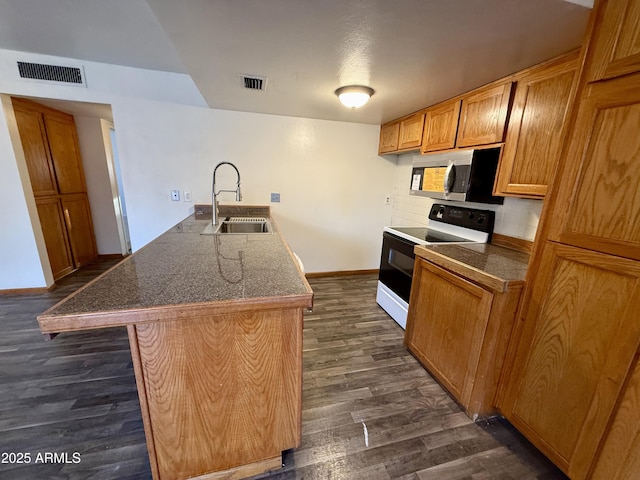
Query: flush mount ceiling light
[[354, 96]]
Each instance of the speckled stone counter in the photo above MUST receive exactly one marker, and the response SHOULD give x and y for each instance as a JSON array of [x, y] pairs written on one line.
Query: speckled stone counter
[[489, 265], [184, 267], [215, 329]]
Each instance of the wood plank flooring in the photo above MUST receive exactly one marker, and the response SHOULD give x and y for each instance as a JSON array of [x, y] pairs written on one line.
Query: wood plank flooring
[[369, 409]]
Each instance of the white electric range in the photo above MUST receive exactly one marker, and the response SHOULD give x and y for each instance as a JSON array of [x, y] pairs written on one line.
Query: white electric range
[[447, 224]]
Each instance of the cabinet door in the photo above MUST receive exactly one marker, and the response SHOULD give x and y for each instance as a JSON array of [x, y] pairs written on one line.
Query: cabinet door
[[61, 131], [55, 235], [620, 457], [80, 228], [411, 132], [36, 150], [389, 135], [598, 200], [445, 327], [483, 116], [580, 336], [440, 127], [534, 136], [616, 49]]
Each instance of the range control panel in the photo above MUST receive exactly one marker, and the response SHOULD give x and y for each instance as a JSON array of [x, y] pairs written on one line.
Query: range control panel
[[481, 220]]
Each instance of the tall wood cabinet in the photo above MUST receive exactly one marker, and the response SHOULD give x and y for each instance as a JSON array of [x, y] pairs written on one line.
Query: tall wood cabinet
[[572, 383], [50, 145]]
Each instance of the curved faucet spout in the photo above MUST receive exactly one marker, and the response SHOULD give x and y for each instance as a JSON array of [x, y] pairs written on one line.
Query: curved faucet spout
[[214, 194]]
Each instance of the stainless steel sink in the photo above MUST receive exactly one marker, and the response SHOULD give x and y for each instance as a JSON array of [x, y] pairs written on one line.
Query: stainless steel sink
[[239, 225]]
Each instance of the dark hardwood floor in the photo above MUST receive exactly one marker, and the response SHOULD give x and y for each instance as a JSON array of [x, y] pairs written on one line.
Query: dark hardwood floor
[[369, 409]]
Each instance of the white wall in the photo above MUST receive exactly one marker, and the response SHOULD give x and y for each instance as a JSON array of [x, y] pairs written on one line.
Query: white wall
[[100, 180], [21, 265], [331, 180], [517, 217]]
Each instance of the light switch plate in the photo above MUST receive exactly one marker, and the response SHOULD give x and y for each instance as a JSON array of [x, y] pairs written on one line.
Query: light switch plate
[[275, 197]]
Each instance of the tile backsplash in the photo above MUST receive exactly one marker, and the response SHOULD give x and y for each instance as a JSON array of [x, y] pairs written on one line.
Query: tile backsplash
[[517, 217]]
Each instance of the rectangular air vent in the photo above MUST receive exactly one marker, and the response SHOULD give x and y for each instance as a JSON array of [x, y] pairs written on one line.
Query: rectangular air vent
[[51, 73], [254, 82]]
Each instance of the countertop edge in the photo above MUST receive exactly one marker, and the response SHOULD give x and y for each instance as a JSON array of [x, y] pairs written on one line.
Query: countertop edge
[[474, 274], [118, 318]]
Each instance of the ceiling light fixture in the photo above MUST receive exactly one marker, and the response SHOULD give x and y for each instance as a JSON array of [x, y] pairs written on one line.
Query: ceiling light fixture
[[354, 96]]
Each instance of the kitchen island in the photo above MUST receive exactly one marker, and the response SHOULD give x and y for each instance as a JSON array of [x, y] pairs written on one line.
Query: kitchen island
[[215, 329]]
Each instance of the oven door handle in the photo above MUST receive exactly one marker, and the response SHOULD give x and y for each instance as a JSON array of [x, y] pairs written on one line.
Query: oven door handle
[[449, 178]]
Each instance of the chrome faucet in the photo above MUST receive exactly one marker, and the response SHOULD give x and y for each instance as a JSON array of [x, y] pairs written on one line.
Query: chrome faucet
[[214, 194]]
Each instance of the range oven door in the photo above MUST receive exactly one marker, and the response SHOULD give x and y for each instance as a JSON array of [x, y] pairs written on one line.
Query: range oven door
[[396, 264]]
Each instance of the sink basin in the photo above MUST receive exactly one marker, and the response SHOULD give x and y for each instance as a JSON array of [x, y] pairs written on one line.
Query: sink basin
[[239, 225]]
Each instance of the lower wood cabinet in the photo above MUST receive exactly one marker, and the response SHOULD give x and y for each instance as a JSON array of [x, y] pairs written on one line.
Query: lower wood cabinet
[[79, 228], [574, 351], [459, 331], [54, 230]]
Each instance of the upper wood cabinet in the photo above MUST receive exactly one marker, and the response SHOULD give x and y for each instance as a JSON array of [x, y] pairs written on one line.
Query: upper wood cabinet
[[616, 46], [441, 127], [597, 200], [411, 132], [483, 116], [389, 135], [33, 137], [534, 135], [61, 131]]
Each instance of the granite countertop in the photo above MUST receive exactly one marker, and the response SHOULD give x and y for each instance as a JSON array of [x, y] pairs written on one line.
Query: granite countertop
[[491, 266], [184, 267]]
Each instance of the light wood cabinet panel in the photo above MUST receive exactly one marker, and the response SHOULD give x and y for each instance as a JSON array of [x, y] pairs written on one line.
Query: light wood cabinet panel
[[483, 116], [616, 49], [579, 339], [53, 160], [441, 127], [52, 222], [80, 228], [411, 132], [61, 131], [33, 137], [620, 457], [534, 136], [598, 197], [389, 136], [232, 382], [459, 332]]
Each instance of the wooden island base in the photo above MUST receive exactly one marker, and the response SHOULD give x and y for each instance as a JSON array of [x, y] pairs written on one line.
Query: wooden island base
[[220, 394]]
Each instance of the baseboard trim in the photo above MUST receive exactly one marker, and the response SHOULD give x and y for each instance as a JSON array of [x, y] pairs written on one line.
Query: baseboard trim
[[25, 291], [341, 273], [110, 256]]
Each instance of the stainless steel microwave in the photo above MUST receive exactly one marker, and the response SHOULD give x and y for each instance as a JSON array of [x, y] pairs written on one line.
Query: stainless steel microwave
[[465, 175]]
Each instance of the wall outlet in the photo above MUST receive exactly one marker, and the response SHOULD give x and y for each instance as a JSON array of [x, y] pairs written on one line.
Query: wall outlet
[[175, 195], [387, 199], [275, 197], [186, 195]]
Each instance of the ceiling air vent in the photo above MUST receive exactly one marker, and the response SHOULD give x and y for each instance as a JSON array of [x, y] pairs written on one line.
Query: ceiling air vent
[[254, 82], [51, 73]]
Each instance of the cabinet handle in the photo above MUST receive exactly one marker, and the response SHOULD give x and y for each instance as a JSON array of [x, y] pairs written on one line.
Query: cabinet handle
[[67, 218]]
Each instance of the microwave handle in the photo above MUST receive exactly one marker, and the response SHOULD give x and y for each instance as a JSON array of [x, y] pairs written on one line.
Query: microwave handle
[[449, 178]]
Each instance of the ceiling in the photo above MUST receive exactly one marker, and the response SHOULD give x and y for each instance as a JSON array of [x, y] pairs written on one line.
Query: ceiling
[[413, 53]]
